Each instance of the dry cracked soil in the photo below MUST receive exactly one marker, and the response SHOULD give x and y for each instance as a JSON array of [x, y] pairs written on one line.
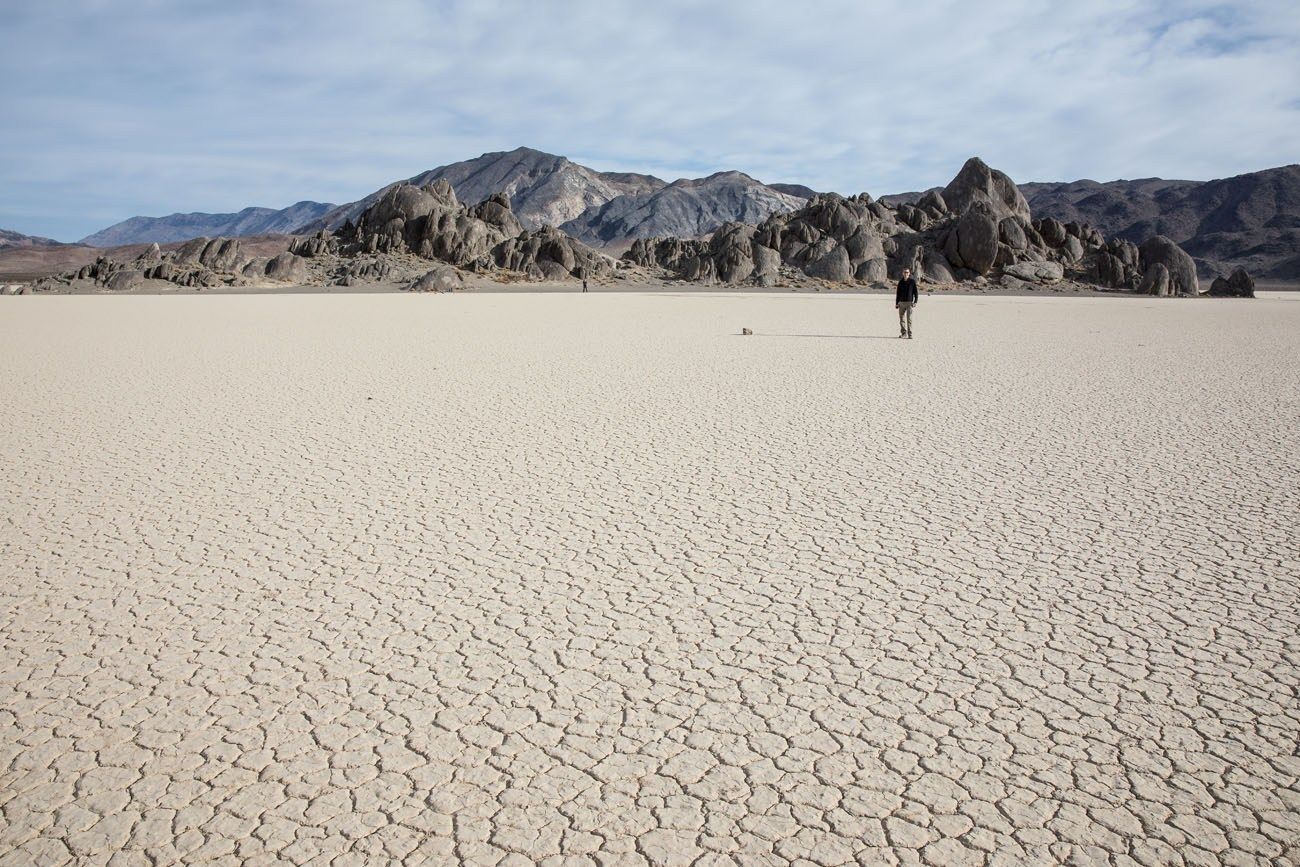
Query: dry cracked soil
[[566, 579]]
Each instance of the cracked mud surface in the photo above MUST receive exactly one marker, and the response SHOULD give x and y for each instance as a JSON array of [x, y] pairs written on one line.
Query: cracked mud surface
[[590, 579]]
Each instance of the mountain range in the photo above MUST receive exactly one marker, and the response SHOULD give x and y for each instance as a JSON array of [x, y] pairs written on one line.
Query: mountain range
[[183, 227], [1251, 220], [17, 239]]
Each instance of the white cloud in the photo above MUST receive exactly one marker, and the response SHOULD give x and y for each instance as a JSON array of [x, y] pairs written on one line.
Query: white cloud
[[115, 109]]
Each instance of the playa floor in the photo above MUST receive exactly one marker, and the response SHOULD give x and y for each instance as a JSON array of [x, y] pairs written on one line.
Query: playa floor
[[595, 580]]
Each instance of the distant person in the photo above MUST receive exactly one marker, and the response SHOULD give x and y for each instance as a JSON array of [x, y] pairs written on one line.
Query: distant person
[[904, 300], [584, 284]]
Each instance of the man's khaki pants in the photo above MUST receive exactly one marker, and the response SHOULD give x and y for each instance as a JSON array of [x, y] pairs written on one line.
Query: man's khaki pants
[[905, 318]]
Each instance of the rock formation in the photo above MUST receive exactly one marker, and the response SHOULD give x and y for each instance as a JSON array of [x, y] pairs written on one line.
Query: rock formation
[[979, 227], [1250, 221], [685, 208], [1238, 284], [976, 182], [441, 279], [430, 223], [1181, 270]]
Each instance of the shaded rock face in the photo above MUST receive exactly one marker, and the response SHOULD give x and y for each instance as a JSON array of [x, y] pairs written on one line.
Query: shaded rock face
[[1179, 266], [974, 241], [1238, 284], [976, 182]]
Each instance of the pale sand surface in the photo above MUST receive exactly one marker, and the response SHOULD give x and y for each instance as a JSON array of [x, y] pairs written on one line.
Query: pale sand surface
[[503, 578]]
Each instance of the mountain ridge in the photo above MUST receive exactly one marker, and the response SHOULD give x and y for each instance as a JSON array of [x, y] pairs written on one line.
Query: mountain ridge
[[185, 226]]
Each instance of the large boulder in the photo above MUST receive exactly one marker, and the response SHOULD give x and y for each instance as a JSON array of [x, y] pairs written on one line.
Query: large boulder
[[552, 253], [1072, 250], [1238, 284], [1036, 272], [977, 183], [834, 266], [873, 271], [1051, 231], [126, 280], [1181, 268], [932, 202], [149, 257], [767, 265], [973, 242], [187, 255], [220, 255], [287, 268], [1155, 281], [1012, 233], [441, 279]]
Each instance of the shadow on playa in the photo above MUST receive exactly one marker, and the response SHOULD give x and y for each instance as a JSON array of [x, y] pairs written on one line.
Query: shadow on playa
[[843, 336]]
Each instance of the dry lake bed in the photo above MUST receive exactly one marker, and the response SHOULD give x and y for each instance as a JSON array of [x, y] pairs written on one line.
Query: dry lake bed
[[567, 579]]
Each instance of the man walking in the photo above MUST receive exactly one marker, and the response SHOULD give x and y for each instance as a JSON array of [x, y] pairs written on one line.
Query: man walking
[[905, 299]]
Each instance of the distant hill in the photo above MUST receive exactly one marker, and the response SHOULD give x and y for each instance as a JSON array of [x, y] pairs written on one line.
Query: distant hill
[[9, 238], [607, 209], [543, 188], [182, 227], [683, 209], [1251, 220]]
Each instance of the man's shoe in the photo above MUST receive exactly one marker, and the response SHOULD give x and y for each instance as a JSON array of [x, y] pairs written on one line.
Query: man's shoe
[[909, 337]]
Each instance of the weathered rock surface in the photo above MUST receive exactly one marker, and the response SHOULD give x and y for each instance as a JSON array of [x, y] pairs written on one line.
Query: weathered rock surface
[[973, 242], [1177, 263], [1155, 281], [976, 182], [431, 223], [287, 268], [125, 280], [1036, 272]]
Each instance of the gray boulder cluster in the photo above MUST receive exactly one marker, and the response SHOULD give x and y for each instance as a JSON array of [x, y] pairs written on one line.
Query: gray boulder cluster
[[200, 263], [1238, 284], [428, 222], [978, 228]]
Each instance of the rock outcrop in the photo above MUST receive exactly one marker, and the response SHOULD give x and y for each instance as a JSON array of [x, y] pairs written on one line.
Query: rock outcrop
[[430, 223], [287, 268], [1178, 265], [1238, 284], [1250, 221], [441, 279], [976, 182], [685, 208], [978, 228]]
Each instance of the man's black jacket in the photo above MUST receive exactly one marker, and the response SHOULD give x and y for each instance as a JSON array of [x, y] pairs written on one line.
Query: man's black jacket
[[907, 293]]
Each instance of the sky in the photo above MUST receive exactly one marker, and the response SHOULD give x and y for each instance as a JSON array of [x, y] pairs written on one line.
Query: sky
[[116, 108]]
